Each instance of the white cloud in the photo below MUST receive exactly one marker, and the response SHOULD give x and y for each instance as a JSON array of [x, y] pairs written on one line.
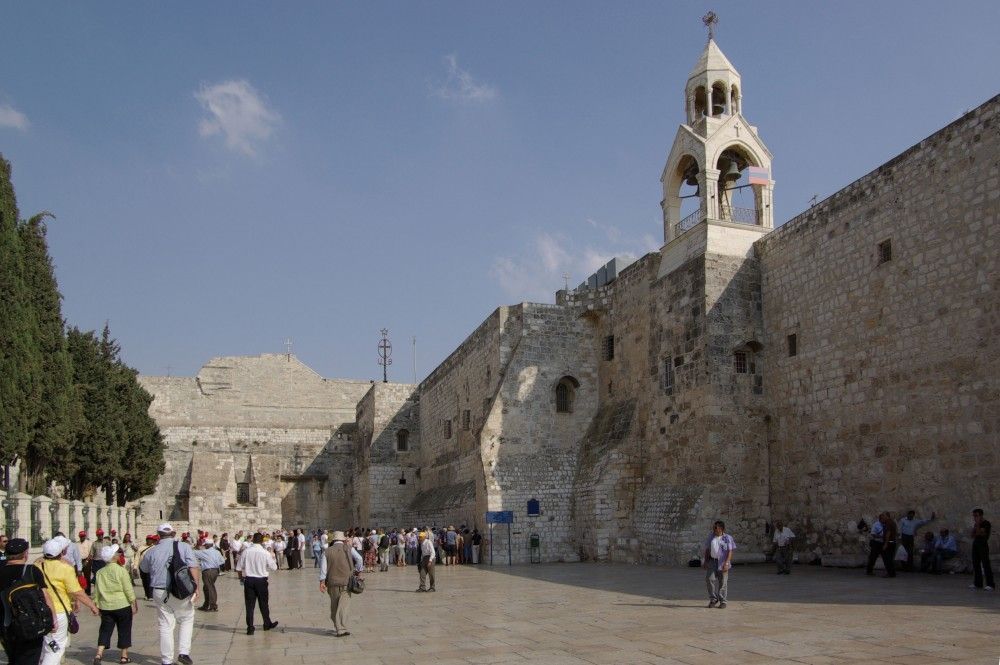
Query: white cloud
[[237, 112], [541, 271], [12, 118], [461, 86]]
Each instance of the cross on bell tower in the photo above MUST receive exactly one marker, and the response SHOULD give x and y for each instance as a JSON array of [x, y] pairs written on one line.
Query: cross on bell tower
[[718, 170]]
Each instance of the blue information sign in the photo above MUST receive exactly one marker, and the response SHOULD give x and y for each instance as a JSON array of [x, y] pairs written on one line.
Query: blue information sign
[[500, 516]]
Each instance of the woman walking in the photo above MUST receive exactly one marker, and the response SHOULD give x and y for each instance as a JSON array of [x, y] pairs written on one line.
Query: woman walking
[[116, 600]]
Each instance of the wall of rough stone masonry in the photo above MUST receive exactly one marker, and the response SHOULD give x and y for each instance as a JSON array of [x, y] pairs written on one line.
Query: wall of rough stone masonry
[[529, 449], [269, 407], [892, 402], [385, 410], [466, 381]]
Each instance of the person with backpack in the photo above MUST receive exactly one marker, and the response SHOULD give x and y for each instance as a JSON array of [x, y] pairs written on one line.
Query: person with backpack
[[64, 586], [383, 551], [175, 578], [28, 612]]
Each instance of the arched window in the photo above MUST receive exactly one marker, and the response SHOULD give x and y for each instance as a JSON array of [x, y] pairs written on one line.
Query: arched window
[[566, 394], [718, 99], [734, 100], [402, 440], [700, 103]]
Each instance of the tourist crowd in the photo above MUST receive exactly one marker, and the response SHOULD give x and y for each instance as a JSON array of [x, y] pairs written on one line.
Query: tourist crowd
[[175, 571]]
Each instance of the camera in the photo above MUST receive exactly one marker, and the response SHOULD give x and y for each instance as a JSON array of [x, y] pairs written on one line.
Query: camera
[[53, 645]]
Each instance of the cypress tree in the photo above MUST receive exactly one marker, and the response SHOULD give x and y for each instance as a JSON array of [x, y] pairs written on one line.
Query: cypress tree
[[19, 362], [49, 451]]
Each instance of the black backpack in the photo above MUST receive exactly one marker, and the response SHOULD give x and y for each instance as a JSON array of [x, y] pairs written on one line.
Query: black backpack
[[26, 614], [366, 544], [182, 584], [384, 543]]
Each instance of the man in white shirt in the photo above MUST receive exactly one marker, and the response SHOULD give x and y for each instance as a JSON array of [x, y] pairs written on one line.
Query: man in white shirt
[[301, 540], [426, 565], [783, 538], [255, 564]]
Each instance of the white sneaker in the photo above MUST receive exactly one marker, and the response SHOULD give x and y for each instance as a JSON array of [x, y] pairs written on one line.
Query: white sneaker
[[973, 587], [988, 588]]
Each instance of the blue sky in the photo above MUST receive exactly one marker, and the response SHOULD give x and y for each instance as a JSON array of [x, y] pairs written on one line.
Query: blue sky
[[229, 175]]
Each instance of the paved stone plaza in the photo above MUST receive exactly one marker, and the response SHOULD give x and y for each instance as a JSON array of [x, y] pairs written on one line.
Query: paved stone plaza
[[597, 613]]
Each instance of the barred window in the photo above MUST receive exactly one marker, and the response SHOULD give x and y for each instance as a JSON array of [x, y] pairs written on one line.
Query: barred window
[[466, 420], [740, 360], [242, 492], [885, 251], [402, 440], [668, 376], [566, 394], [609, 347], [447, 429]]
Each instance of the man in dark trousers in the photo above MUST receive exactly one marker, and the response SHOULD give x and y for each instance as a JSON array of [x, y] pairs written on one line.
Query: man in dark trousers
[[16, 570], [981, 551], [256, 563]]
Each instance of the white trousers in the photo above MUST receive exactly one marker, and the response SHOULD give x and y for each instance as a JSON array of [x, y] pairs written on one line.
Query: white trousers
[[61, 635], [170, 613]]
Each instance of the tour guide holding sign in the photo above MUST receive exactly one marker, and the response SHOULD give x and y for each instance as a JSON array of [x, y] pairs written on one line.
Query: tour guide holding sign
[[171, 611]]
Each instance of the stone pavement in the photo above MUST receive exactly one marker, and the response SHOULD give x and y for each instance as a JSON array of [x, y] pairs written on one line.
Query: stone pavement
[[597, 613]]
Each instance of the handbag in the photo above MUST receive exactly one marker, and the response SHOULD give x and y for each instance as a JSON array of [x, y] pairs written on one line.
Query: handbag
[[354, 583], [72, 623]]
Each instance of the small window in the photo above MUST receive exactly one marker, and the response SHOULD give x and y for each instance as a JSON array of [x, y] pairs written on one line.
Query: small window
[[740, 360], [402, 440], [885, 251], [534, 508], [242, 492], [466, 420], [566, 394], [668, 376], [609, 347], [793, 345], [447, 429]]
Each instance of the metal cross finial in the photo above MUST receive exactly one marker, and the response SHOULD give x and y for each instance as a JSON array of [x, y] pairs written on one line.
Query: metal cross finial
[[385, 354], [288, 348], [566, 280], [711, 19]]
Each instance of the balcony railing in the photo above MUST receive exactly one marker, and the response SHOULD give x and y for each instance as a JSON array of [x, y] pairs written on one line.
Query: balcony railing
[[690, 221], [740, 215]]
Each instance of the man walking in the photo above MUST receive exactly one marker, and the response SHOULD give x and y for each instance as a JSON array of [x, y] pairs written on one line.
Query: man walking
[[907, 532], [783, 538], [339, 562], [171, 612], [211, 561], [83, 548], [256, 563], [981, 551], [717, 560], [426, 565]]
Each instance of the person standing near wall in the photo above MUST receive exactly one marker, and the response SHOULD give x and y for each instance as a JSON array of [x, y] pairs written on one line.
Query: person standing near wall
[[339, 562], [891, 536], [876, 539], [981, 568], [907, 533], [717, 560], [783, 539], [83, 548]]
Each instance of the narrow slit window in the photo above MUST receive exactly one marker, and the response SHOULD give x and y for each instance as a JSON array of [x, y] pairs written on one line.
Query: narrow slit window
[[447, 429], [793, 345], [609, 347], [402, 440], [668, 376], [885, 251], [466, 420], [242, 492]]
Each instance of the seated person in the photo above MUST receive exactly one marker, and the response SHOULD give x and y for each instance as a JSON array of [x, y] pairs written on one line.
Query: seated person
[[927, 552], [945, 548]]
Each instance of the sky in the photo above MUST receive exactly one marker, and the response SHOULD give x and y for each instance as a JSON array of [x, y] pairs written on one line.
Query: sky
[[227, 176]]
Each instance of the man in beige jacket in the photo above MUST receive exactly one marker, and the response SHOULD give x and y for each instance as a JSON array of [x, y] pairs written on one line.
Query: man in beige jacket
[[339, 562]]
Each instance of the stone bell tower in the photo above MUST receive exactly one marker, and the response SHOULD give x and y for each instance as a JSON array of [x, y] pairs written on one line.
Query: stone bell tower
[[718, 171]]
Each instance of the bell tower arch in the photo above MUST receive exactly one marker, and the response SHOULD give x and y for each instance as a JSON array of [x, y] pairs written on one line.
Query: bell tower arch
[[718, 170]]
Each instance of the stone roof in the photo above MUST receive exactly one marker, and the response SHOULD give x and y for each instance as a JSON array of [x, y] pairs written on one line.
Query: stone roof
[[711, 59]]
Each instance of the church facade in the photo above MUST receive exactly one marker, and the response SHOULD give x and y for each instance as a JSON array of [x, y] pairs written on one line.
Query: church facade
[[843, 364]]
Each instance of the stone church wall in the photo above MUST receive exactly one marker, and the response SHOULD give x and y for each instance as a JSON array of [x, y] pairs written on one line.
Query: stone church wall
[[271, 410], [891, 402]]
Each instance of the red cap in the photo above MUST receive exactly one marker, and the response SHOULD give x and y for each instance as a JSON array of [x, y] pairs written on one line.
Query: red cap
[[100, 532], [82, 533], [155, 536], [113, 532]]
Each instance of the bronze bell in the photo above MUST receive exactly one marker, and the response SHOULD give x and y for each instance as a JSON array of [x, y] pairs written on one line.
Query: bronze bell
[[691, 179], [717, 109], [733, 172]]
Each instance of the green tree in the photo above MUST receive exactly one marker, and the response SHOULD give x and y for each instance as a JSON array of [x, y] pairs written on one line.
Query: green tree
[[20, 388], [49, 453]]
